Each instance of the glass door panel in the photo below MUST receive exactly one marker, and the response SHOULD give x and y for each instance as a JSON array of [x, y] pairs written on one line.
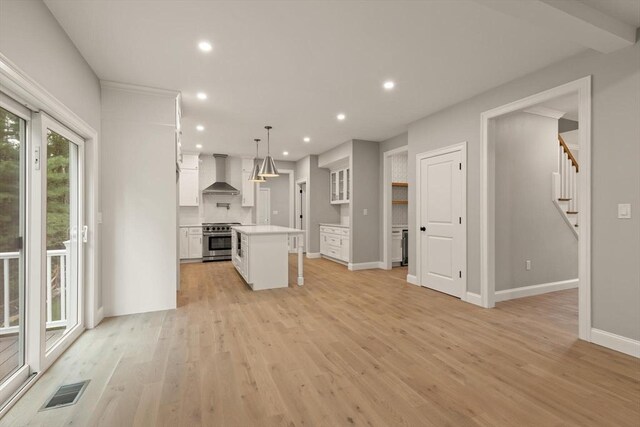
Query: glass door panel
[[62, 228], [12, 226], [341, 185]]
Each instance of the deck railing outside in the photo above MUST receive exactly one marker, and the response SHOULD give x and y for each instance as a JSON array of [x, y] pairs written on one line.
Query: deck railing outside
[[57, 289]]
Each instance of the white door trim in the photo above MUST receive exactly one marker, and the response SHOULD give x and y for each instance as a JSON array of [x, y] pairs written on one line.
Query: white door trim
[[386, 206], [487, 215], [462, 147]]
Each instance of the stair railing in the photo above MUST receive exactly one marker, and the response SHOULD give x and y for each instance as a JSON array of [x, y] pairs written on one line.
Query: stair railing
[[569, 169]]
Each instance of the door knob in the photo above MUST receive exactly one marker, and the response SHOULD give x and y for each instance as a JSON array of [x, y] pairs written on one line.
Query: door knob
[[423, 228]]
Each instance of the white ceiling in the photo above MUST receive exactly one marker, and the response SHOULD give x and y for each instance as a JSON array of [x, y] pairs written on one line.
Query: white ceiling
[[568, 104], [295, 65], [627, 11]]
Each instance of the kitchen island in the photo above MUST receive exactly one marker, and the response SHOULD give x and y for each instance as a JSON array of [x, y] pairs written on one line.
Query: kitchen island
[[260, 253]]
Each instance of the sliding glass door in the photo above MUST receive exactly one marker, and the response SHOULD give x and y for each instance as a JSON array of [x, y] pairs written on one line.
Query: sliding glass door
[[62, 257], [41, 242], [13, 137]]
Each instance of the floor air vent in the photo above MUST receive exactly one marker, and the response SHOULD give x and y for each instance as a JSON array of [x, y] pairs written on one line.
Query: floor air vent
[[65, 395]]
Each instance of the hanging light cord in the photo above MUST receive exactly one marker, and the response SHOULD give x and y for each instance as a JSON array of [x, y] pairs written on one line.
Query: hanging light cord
[[257, 141], [268, 128]]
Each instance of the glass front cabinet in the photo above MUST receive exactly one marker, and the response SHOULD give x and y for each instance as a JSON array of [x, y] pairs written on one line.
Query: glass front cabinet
[[340, 181]]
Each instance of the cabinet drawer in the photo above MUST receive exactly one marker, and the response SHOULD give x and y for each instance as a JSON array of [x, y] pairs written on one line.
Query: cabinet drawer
[[335, 230], [195, 231], [333, 240], [333, 252]]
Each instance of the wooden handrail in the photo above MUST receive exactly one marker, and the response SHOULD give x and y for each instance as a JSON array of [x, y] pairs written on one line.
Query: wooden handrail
[[569, 153]]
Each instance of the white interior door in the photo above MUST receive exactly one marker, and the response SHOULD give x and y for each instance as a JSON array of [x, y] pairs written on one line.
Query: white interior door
[[264, 207], [442, 236]]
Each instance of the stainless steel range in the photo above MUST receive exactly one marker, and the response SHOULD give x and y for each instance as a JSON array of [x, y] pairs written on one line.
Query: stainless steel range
[[216, 241]]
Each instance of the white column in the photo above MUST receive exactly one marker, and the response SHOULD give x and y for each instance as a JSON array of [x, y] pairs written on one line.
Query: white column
[[300, 240]]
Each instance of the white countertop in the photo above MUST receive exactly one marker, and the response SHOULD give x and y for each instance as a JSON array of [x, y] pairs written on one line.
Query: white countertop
[[334, 225], [399, 226], [188, 226], [265, 229]]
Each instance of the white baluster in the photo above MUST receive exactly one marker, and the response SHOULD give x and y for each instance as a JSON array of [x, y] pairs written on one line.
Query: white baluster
[[562, 174], [571, 179], [63, 287], [49, 284], [6, 292]]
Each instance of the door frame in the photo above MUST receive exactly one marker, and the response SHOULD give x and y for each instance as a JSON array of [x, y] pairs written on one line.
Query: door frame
[[387, 227], [462, 147], [17, 85], [487, 197]]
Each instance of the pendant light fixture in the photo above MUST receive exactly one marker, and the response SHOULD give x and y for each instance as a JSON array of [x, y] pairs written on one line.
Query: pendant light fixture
[[256, 167], [268, 168]]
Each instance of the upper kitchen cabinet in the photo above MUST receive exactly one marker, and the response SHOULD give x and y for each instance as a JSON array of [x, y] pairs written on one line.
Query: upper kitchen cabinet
[[340, 183], [248, 187], [189, 180]]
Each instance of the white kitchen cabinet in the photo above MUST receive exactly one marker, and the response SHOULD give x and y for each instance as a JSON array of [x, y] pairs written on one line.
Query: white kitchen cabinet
[[189, 187], [184, 243], [248, 187], [335, 242], [190, 161], [340, 181], [190, 242], [189, 180], [396, 246]]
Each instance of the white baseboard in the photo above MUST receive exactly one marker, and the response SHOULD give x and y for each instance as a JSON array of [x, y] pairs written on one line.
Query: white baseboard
[[364, 265], [528, 291], [473, 298], [411, 278], [99, 317], [313, 254], [616, 342]]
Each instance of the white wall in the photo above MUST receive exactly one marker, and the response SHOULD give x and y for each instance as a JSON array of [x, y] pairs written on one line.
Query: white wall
[[615, 173], [281, 196], [528, 225], [32, 39], [139, 201]]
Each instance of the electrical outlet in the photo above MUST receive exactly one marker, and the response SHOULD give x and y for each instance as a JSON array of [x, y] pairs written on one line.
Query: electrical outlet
[[624, 211], [275, 212], [528, 265], [365, 212]]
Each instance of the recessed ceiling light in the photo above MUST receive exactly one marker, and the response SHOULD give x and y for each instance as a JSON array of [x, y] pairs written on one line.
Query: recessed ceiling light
[[341, 116], [389, 85], [199, 128], [285, 153], [306, 139], [205, 46], [198, 145], [202, 95]]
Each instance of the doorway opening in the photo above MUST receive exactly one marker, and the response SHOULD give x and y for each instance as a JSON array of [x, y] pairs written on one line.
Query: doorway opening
[[395, 206], [567, 198]]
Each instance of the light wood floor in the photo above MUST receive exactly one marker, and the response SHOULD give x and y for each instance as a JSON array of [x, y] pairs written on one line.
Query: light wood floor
[[348, 348]]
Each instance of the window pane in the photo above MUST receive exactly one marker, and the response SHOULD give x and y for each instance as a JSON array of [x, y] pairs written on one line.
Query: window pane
[[62, 229], [12, 141]]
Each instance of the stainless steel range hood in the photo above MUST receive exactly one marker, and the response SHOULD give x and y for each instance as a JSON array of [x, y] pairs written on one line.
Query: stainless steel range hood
[[220, 186]]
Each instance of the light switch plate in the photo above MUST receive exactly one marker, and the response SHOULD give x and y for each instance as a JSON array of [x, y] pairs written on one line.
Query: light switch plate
[[365, 212], [624, 210]]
